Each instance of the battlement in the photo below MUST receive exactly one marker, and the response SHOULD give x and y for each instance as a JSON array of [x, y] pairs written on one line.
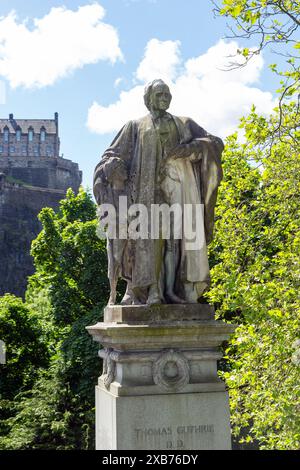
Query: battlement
[[32, 176], [44, 172]]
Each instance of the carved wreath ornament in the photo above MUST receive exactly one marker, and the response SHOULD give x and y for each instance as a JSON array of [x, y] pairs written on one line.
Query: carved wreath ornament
[[171, 370]]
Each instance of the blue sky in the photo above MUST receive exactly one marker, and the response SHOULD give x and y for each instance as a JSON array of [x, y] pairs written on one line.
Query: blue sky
[[90, 60]]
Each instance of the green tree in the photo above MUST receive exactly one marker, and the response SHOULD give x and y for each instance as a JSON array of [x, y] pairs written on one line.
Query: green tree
[[26, 352], [256, 272], [68, 291], [256, 279], [269, 24]]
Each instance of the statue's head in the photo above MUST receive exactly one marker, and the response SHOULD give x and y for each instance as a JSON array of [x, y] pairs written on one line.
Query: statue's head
[[157, 96]]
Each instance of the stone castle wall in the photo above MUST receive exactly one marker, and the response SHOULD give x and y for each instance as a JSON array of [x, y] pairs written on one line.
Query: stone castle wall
[[26, 186], [45, 172]]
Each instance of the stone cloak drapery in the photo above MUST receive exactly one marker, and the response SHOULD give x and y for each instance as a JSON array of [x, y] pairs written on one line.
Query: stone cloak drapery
[[138, 145]]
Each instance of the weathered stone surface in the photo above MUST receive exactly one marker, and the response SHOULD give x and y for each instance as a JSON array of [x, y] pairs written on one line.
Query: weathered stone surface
[[159, 388], [166, 161], [193, 421], [32, 176], [157, 313], [20, 203], [159, 375], [193, 334], [42, 172]]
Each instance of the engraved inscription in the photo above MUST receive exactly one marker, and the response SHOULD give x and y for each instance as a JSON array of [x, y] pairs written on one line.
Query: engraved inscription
[[195, 429], [142, 433], [173, 437]]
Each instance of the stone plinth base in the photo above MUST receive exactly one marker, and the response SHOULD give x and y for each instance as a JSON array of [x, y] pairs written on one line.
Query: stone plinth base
[[158, 313], [187, 421], [159, 388]]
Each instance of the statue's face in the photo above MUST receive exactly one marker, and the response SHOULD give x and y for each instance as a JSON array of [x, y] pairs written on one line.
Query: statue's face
[[160, 98]]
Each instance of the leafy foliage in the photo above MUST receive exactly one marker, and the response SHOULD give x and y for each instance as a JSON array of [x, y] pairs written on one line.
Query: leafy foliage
[[26, 351], [21, 331], [256, 275], [257, 246], [268, 21], [67, 292], [275, 23]]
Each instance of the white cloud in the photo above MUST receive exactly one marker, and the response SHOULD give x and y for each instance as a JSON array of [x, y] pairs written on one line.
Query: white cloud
[[130, 105], [201, 89], [221, 58], [161, 59], [60, 42]]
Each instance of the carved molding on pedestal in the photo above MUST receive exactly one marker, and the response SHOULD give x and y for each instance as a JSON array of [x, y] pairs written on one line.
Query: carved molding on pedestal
[[109, 367], [171, 370], [163, 357], [160, 387]]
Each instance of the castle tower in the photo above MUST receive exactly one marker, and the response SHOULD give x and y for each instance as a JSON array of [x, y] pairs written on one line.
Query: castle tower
[[32, 175]]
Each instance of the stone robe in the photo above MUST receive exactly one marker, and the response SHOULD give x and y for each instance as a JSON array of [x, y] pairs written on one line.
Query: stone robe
[[138, 144]]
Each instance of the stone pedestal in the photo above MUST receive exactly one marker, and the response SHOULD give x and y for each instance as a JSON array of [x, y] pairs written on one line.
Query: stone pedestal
[[159, 388]]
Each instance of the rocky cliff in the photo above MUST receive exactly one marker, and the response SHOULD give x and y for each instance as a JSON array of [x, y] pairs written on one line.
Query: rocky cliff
[[26, 186]]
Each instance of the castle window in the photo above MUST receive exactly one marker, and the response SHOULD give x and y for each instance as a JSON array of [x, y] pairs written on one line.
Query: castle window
[[43, 135], [6, 134], [12, 149], [18, 135], [30, 135], [36, 150], [24, 150], [1, 148], [49, 151]]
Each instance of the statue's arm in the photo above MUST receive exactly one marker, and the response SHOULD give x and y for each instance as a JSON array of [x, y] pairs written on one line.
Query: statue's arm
[[199, 142], [121, 148], [199, 133]]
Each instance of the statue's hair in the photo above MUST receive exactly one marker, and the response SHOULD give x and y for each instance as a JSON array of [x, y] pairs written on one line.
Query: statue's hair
[[148, 90]]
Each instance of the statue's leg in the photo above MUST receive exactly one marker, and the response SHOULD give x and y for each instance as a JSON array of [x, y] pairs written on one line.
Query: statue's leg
[[111, 271], [172, 256], [129, 297], [116, 252], [113, 284], [154, 296]]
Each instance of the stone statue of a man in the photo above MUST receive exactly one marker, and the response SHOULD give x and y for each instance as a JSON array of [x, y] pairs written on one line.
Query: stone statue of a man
[[167, 160]]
